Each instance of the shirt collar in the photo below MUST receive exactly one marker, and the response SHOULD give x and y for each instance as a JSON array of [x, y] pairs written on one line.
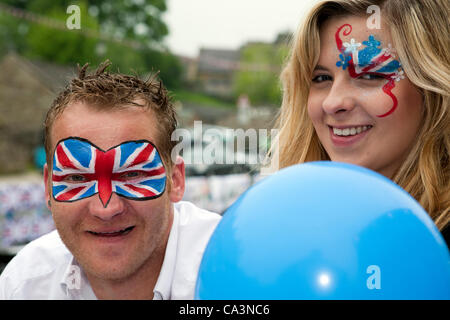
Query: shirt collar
[[74, 282], [162, 290]]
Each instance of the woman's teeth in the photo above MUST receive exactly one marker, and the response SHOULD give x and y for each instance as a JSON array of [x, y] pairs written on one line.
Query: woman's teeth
[[350, 131]]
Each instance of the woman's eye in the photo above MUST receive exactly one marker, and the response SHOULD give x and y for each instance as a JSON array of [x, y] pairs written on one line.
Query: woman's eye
[[75, 178], [369, 76], [321, 78]]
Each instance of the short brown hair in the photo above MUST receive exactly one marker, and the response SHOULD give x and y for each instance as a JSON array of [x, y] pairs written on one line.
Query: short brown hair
[[105, 90]]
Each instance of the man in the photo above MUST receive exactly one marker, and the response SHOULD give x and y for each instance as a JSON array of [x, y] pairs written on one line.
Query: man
[[114, 192]]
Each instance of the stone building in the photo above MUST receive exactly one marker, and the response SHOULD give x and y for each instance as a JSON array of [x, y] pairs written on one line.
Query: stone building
[[215, 71], [27, 88]]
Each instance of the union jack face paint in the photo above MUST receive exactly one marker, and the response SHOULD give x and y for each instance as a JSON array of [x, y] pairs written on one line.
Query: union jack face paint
[[133, 170], [370, 60]]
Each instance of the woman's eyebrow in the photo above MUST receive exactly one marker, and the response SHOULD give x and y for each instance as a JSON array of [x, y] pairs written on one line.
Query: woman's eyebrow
[[320, 68]]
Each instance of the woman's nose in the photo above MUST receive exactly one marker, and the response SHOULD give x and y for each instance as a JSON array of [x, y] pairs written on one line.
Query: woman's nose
[[340, 98]]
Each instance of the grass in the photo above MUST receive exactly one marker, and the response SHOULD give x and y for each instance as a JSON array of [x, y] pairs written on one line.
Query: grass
[[200, 99]]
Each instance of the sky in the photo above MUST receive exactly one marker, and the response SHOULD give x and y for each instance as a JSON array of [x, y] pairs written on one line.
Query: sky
[[228, 24]]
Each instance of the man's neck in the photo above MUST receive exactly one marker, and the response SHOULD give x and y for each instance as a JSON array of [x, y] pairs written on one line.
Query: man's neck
[[138, 286]]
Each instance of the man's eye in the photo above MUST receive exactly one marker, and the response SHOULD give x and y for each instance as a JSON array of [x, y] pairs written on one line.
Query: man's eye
[[321, 78], [131, 174], [75, 178], [369, 76]]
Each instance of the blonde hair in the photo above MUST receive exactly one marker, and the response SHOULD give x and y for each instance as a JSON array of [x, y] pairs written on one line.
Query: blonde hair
[[415, 26]]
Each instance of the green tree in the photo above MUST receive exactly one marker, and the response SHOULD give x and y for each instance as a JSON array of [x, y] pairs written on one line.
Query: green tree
[[12, 30], [139, 20], [168, 65], [128, 32], [258, 77], [62, 46]]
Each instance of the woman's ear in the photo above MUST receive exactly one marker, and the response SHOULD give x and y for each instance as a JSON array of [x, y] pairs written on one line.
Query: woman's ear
[[178, 181], [47, 187]]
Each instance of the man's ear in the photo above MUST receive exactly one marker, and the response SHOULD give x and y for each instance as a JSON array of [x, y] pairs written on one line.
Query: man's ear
[[178, 181], [47, 186]]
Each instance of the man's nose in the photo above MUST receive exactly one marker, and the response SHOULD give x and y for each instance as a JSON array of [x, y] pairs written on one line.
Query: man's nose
[[340, 98], [113, 207]]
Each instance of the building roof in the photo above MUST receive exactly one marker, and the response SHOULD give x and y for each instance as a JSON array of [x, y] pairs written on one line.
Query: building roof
[[218, 60], [54, 77]]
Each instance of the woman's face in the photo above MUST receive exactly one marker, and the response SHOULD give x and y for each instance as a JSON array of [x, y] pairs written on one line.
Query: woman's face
[[364, 109]]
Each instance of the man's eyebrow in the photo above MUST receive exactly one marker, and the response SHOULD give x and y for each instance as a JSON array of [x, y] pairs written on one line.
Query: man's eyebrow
[[320, 68]]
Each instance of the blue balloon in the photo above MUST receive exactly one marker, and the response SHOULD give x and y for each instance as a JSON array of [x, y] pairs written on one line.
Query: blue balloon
[[325, 230]]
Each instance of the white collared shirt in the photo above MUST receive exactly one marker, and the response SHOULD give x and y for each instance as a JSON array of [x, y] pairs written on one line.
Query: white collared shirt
[[45, 268]]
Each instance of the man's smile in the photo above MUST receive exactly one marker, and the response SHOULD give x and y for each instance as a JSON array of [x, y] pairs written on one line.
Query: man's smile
[[111, 232]]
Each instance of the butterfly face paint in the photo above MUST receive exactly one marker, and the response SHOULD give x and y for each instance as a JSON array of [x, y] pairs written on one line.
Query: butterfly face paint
[[370, 60], [133, 170]]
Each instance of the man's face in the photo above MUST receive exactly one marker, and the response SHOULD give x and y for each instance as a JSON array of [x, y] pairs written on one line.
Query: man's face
[[111, 238]]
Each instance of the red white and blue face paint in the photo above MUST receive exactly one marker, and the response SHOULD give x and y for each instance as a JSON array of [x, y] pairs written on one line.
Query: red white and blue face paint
[[133, 170], [370, 60]]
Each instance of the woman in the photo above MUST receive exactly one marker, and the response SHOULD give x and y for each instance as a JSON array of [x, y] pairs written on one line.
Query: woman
[[375, 97]]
